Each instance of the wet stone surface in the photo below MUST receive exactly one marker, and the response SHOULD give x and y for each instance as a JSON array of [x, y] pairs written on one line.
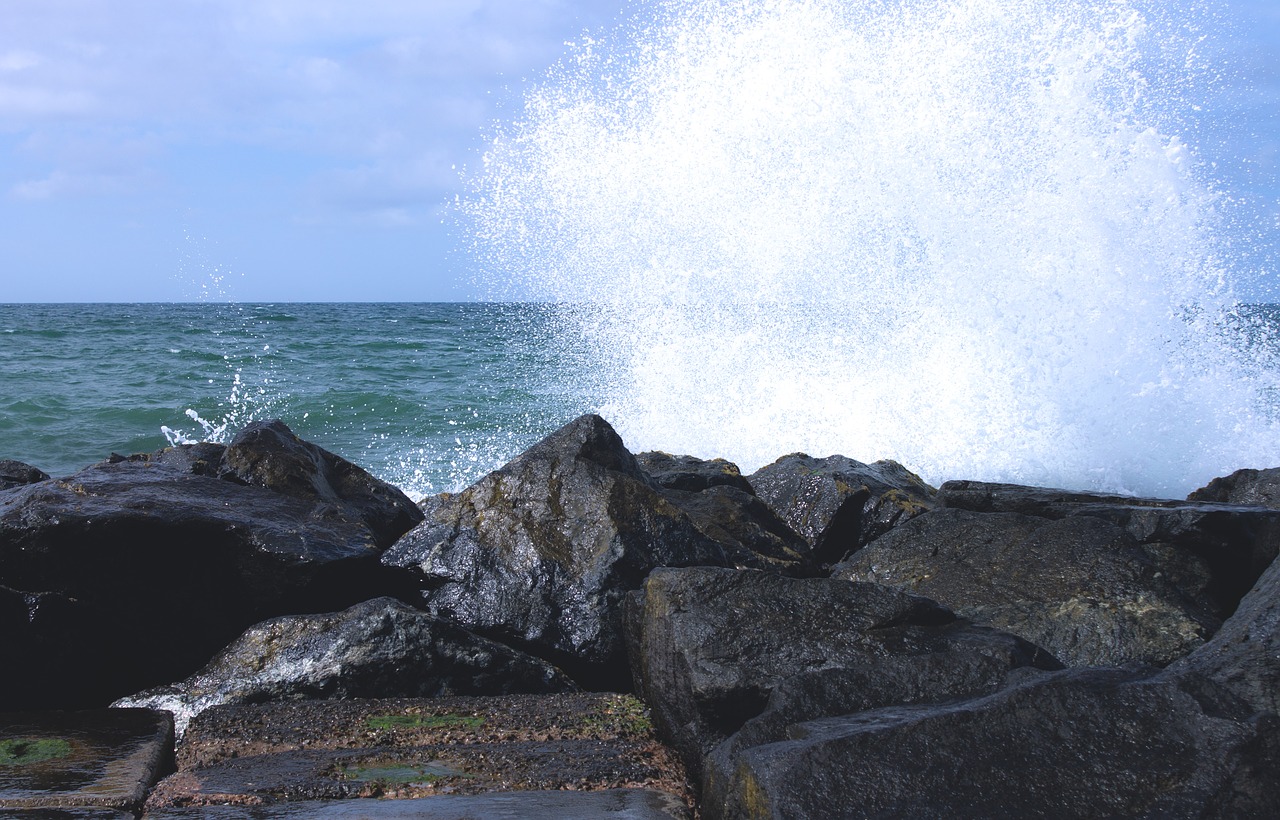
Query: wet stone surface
[[269, 754], [104, 758]]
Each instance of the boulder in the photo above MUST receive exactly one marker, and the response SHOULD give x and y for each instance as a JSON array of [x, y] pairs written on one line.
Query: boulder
[[711, 645], [1244, 656], [691, 474], [1213, 552], [837, 504], [539, 553], [750, 533], [1079, 743], [1255, 488], [376, 649], [165, 558], [16, 474], [1081, 586]]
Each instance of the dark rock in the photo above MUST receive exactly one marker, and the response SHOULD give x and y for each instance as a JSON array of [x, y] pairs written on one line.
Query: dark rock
[[838, 504], [100, 759], [750, 533], [1081, 587], [1211, 551], [1256, 488], [1079, 743], [691, 474], [16, 474], [163, 559], [1244, 656], [713, 644], [277, 753], [376, 649], [268, 454], [539, 552]]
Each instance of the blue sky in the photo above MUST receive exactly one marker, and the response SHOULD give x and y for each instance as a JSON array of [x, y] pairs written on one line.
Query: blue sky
[[267, 150]]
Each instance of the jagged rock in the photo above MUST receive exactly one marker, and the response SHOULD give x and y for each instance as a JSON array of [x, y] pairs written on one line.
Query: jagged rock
[[691, 474], [838, 504], [750, 533], [167, 557], [16, 474], [1259, 488], [1081, 587], [539, 552], [712, 644], [1212, 552], [1244, 656], [1079, 743], [376, 649]]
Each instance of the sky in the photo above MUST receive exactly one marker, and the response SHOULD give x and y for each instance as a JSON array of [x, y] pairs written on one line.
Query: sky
[[310, 150]]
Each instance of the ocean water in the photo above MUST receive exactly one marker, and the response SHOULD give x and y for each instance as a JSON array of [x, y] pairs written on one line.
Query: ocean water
[[426, 396]]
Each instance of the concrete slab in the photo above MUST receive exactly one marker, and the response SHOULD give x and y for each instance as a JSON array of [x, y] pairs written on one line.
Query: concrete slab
[[614, 804], [101, 758]]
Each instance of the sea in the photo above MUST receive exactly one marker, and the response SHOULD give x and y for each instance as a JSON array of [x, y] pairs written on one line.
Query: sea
[[426, 396]]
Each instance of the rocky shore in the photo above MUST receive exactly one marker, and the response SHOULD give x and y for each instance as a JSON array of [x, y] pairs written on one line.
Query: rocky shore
[[263, 629]]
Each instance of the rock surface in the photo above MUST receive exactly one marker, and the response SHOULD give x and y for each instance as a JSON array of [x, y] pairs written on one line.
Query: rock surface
[[1083, 743], [838, 504], [165, 558], [284, 752], [1258, 488], [750, 533], [713, 644], [540, 552], [1080, 586], [16, 474], [377, 649], [101, 759], [691, 474]]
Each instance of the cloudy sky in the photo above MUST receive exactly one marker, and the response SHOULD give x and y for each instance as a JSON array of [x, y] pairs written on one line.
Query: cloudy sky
[[157, 150]]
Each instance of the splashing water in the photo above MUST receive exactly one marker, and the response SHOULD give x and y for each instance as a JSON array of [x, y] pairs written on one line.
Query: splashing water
[[953, 233]]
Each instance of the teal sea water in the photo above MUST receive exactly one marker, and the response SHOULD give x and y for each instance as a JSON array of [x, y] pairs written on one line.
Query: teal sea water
[[427, 396]]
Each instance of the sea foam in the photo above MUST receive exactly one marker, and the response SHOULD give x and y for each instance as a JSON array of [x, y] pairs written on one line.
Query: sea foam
[[962, 234]]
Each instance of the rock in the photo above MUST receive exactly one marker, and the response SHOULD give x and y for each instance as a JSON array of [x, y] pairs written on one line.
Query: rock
[[539, 553], [277, 753], [1083, 743], [1081, 587], [749, 532], [1212, 552], [1258, 488], [713, 644], [691, 474], [165, 558], [838, 504], [1244, 656], [16, 474], [268, 454], [80, 763], [376, 649]]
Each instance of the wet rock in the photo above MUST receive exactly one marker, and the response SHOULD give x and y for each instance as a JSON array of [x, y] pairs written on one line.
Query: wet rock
[[1244, 656], [747, 529], [102, 759], [691, 474], [1081, 586], [713, 644], [376, 649], [838, 504], [539, 552], [277, 753], [622, 804], [16, 474], [1086, 743], [1259, 488], [167, 557], [1212, 552]]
